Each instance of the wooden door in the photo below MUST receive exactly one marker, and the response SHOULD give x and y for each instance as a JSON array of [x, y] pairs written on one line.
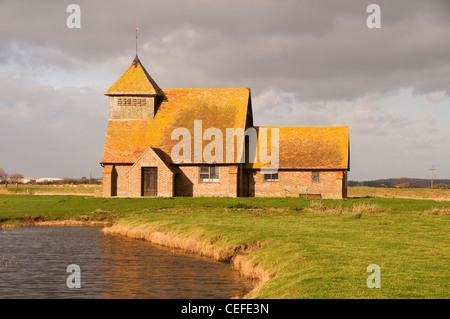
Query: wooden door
[[114, 182], [149, 181]]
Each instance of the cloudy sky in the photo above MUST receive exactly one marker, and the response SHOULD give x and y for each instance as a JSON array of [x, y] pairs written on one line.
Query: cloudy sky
[[308, 63]]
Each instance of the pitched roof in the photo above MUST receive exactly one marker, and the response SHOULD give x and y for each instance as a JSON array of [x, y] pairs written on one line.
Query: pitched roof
[[125, 141], [309, 148], [217, 108], [165, 159], [135, 81], [221, 108]]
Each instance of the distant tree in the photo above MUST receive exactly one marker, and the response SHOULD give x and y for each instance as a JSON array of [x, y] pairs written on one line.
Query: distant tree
[[3, 174], [16, 177]]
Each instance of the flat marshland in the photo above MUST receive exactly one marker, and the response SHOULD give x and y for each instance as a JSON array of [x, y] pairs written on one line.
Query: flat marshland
[[299, 248], [416, 193], [82, 189]]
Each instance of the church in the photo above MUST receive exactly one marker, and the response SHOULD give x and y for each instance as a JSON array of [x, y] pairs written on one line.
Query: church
[[138, 156]]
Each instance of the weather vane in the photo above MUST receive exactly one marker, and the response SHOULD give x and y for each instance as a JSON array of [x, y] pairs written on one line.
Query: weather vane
[[137, 28]]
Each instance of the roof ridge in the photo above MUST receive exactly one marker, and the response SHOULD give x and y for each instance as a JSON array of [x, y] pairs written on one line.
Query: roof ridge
[[310, 126], [135, 80], [224, 88]]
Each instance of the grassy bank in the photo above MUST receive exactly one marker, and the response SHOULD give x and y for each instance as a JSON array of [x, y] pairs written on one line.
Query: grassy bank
[[310, 248]]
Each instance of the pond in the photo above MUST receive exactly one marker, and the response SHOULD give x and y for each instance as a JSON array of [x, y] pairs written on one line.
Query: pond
[[34, 261]]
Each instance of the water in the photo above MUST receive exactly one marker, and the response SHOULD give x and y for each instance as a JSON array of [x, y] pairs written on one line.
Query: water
[[34, 260]]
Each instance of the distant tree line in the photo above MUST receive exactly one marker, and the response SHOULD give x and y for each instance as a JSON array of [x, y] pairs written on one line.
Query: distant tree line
[[83, 180], [402, 183], [69, 181], [18, 178]]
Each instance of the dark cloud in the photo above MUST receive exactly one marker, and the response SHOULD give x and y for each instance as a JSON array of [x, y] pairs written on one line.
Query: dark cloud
[[297, 55], [315, 48]]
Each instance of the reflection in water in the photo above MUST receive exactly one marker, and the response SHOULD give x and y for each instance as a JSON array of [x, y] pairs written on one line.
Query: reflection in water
[[135, 269], [33, 262]]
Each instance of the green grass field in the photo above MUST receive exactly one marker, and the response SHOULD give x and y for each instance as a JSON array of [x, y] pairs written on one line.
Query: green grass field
[[316, 249]]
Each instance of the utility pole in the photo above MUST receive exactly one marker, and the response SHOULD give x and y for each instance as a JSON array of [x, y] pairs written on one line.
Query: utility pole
[[432, 171], [90, 174]]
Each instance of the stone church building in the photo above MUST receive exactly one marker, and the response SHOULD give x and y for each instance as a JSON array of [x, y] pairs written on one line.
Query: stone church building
[[137, 161]]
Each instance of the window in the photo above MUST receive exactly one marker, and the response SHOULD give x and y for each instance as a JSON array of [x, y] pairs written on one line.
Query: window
[[271, 177], [209, 174], [128, 101], [315, 176]]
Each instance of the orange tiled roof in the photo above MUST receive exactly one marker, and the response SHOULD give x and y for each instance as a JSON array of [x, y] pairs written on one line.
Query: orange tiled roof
[[135, 81], [125, 141], [220, 108], [310, 148]]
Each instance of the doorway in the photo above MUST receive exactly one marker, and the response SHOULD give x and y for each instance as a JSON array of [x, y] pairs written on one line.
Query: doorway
[[149, 181]]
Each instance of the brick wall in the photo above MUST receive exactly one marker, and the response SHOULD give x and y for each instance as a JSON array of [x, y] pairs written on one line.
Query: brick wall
[[188, 182], [122, 179], [131, 107], [107, 172], [165, 175], [331, 184]]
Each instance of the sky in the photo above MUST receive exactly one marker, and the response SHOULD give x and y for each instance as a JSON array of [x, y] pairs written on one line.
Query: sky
[[307, 63]]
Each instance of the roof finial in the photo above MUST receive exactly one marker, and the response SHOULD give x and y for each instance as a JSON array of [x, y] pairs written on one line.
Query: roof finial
[[137, 28]]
